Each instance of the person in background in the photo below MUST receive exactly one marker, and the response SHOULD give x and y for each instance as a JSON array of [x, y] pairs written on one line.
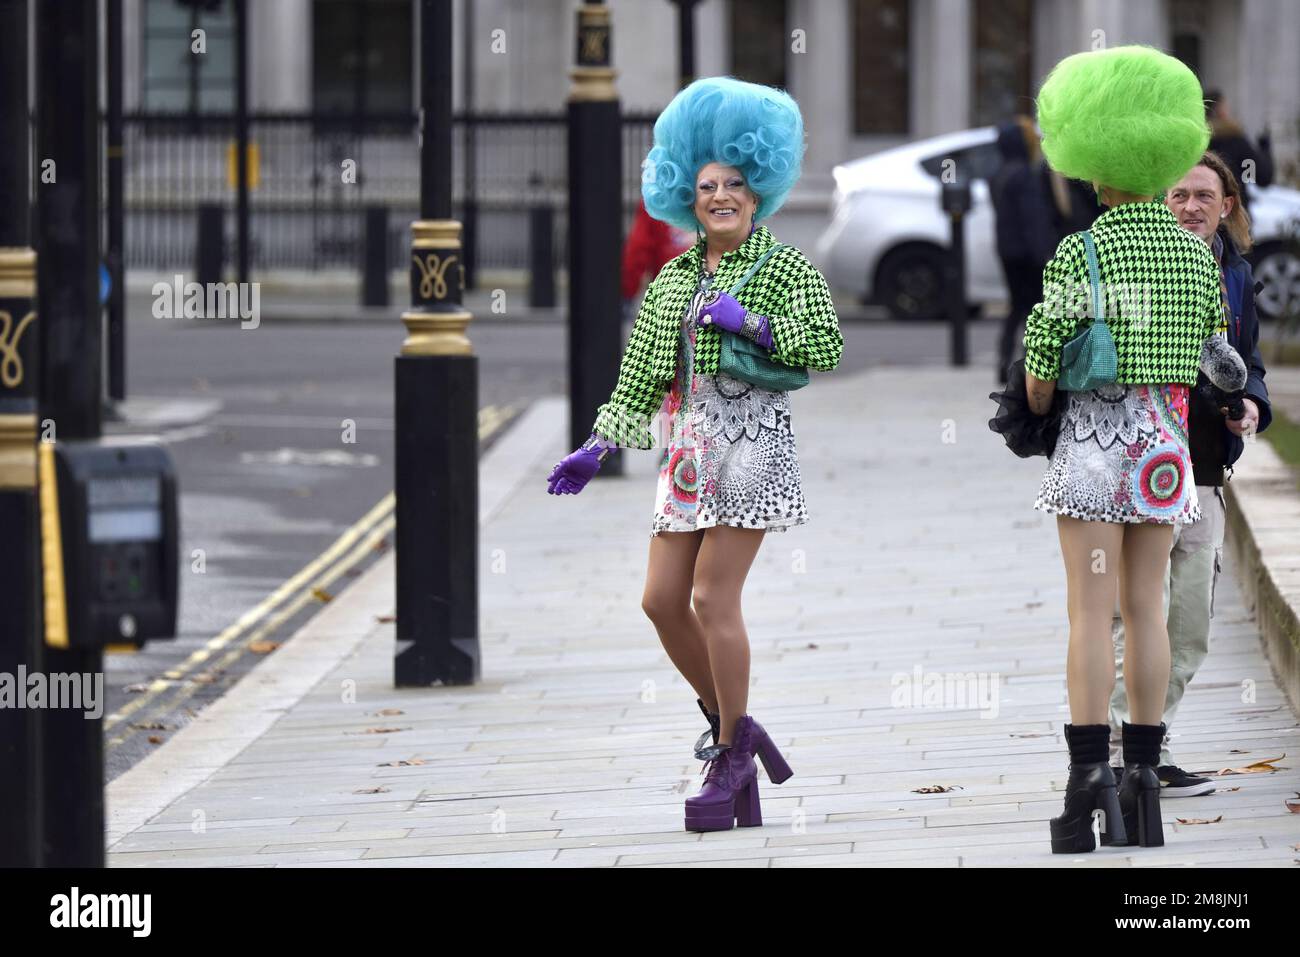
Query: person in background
[[1229, 141], [1074, 204], [650, 244], [1207, 202], [1025, 242]]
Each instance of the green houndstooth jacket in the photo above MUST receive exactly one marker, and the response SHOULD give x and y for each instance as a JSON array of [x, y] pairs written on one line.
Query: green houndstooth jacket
[[788, 290], [1162, 296]]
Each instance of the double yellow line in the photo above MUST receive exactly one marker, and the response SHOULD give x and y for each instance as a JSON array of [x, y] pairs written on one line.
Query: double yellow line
[[281, 605]]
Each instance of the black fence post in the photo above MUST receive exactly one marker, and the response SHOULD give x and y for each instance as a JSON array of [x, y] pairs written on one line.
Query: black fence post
[[67, 131], [116, 253], [541, 251], [210, 260], [956, 200], [20, 647], [436, 410], [374, 284], [595, 235]]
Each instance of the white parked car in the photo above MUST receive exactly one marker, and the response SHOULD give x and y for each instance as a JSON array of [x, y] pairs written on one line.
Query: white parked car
[[888, 236]]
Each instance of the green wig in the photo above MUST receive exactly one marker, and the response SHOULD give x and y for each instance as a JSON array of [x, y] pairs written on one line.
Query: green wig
[[1131, 118]]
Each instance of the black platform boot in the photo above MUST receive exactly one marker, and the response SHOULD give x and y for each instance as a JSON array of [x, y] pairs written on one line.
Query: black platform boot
[[1139, 789], [1091, 787], [715, 724]]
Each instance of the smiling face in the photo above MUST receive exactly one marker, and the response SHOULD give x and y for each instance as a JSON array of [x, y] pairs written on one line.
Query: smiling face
[[724, 204], [1198, 201]]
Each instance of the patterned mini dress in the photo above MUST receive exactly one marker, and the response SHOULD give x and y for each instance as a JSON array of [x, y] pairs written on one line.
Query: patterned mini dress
[[1122, 456], [730, 455]]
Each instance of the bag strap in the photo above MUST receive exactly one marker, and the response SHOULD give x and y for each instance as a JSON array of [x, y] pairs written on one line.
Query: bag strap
[[767, 253], [1094, 277]]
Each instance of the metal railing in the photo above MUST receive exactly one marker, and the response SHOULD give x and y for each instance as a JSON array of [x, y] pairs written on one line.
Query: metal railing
[[315, 175]]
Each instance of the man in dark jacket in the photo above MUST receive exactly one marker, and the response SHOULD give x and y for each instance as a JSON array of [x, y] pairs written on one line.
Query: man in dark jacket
[[1215, 443], [1021, 207]]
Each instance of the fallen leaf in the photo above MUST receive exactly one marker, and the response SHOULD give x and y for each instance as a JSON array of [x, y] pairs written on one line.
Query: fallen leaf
[[1238, 751], [263, 647], [206, 677], [155, 739], [150, 726], [1293, 806], [811, 644], [135, 689], [378, 731], [1259, 767], [385, 619], [413, 762], [1229, 790], [320, 594], [380, 546], [378, 790], [1198, 820], [937, 789], [389, 711]]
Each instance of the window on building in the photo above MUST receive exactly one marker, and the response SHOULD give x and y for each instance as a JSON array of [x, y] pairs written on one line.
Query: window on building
[[361, 56], [177, 79], [1004, 43], [759, 41], [1189, 22], [881, 95]]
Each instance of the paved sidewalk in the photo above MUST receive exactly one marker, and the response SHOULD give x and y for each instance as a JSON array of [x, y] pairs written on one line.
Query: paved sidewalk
[[924, 558]]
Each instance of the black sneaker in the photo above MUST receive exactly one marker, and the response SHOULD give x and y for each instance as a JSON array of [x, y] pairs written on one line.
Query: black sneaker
[[1177, 783]]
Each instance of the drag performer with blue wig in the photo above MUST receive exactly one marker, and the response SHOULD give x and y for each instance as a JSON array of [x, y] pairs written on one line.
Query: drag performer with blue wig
[[725, 156]]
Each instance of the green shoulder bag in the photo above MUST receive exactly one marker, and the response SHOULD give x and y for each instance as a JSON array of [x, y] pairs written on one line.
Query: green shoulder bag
[[745, 359], [1088, 359]]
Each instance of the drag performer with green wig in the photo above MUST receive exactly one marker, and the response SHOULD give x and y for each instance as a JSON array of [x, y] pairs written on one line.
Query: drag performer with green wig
[[726, 154], [1130, 121]]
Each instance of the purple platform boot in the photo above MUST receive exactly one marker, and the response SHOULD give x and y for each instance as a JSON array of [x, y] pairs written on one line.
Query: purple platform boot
[[774, 763], [730, 793]]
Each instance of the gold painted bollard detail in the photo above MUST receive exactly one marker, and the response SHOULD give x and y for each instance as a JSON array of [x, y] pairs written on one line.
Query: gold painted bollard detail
[[436, 322], [11, 360], [17, 351]]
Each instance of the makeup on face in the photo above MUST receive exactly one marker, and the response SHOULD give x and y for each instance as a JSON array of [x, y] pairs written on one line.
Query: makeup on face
[[722, 199]]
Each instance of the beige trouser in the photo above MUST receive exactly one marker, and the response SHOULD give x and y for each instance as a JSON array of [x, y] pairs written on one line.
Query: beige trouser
[[1194, 565]]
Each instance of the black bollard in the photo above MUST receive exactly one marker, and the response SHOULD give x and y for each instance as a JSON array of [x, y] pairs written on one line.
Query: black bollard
[[21, 805]]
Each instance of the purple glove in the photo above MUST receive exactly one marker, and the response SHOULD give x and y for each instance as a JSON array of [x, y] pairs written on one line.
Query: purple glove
[[726, 313], [575, 470]]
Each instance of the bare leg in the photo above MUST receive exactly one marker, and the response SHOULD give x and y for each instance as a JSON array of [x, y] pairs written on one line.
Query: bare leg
[[720, 570], [1146, 639], [1091, 552], [667, 603]]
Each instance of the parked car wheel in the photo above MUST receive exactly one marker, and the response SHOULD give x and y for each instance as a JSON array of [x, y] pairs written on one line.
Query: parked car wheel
[[1278, 268], [909, 282]]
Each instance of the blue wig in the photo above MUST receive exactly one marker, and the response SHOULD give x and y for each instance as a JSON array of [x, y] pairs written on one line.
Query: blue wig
[[757, 129]]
